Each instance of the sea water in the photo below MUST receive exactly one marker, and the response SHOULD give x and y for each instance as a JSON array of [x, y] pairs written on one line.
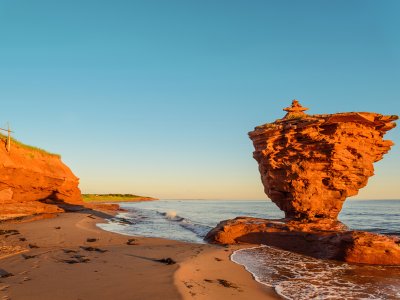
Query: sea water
[[293, 276]]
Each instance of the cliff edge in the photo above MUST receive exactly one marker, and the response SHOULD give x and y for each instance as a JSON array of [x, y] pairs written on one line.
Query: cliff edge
[[33, 181]]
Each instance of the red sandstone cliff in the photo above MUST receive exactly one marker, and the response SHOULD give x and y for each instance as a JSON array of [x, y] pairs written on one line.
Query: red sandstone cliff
[[33, 182]]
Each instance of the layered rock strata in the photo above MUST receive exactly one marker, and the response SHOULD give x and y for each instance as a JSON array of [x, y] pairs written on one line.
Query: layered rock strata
[[324, 239], [34, 182], [309, 165]]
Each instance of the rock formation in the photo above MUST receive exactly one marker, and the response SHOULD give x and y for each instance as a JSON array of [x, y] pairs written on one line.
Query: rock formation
[[34, 182], [324, 239], [309, 165]]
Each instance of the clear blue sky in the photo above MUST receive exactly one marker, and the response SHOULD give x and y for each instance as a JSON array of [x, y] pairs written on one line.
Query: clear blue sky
[[157, 97]]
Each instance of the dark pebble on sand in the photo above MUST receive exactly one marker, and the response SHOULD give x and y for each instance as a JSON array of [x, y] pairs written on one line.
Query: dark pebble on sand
[[167, 261], [33, 246], [226, 283], [5, 274], [69, 251], [26, 256], [9, 232], [131, 242], [93, 249], [91, 240]]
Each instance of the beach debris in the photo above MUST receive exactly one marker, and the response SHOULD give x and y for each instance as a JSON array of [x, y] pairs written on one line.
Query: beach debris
[[226, 283], [71, 261], [208, 280], [91, 240], [5, 274], [27, 256], [91, 216], [76, 259], [217, 259], [91, 249], [123, 221], [188, 285], [69, 251], [33, 246], [167, 261], [58, 227], [131, 242], [9, 232], [22, 239]]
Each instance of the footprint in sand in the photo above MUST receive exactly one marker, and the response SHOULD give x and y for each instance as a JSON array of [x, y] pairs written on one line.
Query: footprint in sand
[[4, 287]]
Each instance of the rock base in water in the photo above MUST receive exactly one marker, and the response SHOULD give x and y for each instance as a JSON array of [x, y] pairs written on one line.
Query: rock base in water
[[325, 239]]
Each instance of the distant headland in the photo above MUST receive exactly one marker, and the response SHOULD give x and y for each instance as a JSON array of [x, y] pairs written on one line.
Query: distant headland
[[115, 198]]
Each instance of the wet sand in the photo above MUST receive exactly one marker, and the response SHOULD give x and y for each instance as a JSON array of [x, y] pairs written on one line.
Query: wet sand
[[68, 257]]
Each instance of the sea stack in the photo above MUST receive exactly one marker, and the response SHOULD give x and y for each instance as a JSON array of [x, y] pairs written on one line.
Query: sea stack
[[309, 165]]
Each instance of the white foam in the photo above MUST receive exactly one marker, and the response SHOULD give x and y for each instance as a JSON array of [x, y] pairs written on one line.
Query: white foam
[[298, 277]]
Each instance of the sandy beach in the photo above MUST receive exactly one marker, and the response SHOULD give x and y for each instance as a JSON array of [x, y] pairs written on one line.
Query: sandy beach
[[69, 257]]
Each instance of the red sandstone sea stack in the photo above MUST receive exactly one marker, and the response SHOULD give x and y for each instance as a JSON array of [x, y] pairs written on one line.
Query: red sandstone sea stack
[[309, 165]]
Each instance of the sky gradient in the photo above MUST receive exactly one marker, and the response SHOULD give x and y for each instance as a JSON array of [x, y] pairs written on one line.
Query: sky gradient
[[157, 97]]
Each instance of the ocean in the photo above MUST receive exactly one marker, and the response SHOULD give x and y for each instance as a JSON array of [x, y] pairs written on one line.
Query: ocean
[[293, 276]]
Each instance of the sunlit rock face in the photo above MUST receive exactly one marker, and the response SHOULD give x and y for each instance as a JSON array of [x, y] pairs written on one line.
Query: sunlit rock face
[[34, 182], [310, 164]]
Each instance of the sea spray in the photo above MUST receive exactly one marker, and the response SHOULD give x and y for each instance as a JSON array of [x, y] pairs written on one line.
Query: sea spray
[[171, 214]]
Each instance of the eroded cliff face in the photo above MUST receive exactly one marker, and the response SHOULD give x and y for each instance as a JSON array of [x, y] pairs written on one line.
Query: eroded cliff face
[[309, 164], [34, 182]]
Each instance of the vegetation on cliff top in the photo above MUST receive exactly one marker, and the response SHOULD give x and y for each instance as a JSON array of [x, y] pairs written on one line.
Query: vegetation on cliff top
[[14, 141], [114, 198]]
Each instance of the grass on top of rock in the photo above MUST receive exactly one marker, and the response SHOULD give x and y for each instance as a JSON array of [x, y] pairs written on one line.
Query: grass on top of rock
[[114, 198], [34, 149]]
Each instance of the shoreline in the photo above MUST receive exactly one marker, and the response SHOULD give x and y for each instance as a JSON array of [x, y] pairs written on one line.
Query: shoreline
[[79, 260]]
